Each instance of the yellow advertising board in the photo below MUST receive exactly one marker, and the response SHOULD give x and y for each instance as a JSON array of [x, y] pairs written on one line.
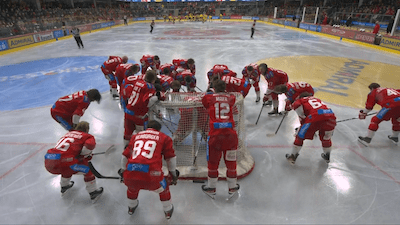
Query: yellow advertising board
[[20, 41], [390, 43]]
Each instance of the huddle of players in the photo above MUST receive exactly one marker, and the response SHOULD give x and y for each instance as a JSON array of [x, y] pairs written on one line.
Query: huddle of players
[[140, 164]]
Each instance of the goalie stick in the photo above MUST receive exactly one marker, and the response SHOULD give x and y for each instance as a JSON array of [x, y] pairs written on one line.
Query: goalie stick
[[108, 151], [97, 174], [354, 118], [271, 135]]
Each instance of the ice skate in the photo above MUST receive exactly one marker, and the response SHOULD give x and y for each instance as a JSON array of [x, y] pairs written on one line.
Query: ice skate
[[268, 103], [131, 210], [395, 140], [168, 213], [274, 112], [115, 96], [326, 157], [95, 195], [291, 158], [209, 191], [258, 99], [233, 191], [364, 140], [66, 188]]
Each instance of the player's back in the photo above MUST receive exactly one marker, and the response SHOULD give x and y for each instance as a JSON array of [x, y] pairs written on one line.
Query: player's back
[[113, 62], [219, 107], [234, 84], [139, 97], [71, 144], [385, 97], [69, 103], [146, 151], [149, 59], [120, 72], [127, 85], [314, 109], [296, 88], [165, 82]]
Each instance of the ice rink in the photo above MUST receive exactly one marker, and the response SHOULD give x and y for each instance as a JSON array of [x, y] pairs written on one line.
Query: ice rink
[[359, 186]]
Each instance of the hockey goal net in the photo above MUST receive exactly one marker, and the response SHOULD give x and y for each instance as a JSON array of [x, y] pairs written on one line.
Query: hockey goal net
[[184, 118]]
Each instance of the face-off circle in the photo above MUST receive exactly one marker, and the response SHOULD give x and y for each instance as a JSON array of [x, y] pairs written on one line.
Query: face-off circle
[[196, 32]]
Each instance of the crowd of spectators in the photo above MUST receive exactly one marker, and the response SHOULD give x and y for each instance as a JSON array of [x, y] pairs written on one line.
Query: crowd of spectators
[[20, 17]]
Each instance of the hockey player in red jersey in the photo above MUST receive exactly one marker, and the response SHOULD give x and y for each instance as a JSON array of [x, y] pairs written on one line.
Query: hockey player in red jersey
[[68, 110], [293, 91], [274, 77], [70, 156], [185, 64], [125, 70], [141, 166], [252, 75], [389, 99], [165, 82], [152, 61], [142, 95], [168, 69], [234, 84], [314, 116], [187, 79], [219, 70], [223, 139], [108, 68]]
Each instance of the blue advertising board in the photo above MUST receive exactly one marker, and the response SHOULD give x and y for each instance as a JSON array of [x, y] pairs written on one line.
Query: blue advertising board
[[96, 26], [3, 45], [58, 33]]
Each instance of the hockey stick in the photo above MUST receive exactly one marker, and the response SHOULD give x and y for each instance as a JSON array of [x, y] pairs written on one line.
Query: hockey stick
[[260, 112], [197, 151], [162, 121], [199, 89], [97, 174], [271, 135], [108, 151], [354, 118]]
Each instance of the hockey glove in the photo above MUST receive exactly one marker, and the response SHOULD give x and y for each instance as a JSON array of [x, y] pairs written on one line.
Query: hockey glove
[[266, 98], [121, 174], [362, 115], [296, 131], [288, 106], [173, 180], [88, 157]]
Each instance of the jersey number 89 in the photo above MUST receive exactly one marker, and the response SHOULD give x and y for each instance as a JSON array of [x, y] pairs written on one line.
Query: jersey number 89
[[140, 146]]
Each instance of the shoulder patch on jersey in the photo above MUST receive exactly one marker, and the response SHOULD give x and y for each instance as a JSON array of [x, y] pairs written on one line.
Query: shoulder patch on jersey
[[86, 99]]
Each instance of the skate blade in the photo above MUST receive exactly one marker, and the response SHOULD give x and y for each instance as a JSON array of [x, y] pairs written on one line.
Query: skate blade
[[236, 194], [97, 198], [210, 195], [363, 142]]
